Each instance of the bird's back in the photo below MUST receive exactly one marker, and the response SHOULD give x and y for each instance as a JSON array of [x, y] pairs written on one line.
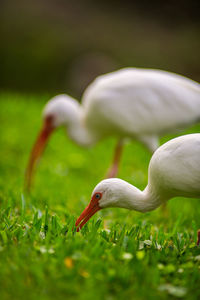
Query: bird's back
[[174, 169], [141, 101]]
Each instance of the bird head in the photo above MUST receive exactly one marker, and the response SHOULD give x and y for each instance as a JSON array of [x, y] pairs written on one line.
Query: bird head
[[107, 193], [60, 110]]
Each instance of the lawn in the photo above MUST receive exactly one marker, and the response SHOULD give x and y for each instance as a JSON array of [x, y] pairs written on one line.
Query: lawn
[[119, 254]]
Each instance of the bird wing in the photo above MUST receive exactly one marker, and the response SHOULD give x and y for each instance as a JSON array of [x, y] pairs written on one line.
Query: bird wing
[[141, 101], [175, 167]]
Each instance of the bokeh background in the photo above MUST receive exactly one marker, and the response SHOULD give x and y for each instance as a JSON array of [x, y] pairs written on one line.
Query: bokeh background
[[50, 47], [60, 46]]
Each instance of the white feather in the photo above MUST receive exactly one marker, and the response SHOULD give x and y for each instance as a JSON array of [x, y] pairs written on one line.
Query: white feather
[[174, 170], [137, 103]]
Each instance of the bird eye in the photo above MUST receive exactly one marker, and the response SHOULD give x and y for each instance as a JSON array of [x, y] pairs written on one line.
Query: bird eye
[[49, 120], [98, 196]]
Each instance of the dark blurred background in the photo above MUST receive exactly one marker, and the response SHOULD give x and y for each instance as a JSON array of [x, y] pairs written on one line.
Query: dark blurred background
[[60, 46]]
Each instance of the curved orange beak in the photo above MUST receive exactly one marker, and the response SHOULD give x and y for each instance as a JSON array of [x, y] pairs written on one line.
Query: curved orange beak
[[37, 151], [88, 212]]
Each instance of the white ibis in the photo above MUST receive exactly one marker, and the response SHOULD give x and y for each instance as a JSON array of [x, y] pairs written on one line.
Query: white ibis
[[140, 104], [174, 170]]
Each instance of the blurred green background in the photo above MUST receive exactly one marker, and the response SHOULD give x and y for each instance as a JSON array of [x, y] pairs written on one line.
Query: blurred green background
[[50, 47], [60, 46]]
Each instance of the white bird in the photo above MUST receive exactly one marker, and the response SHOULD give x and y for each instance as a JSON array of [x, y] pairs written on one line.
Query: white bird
[[174, 170], [140, 104]]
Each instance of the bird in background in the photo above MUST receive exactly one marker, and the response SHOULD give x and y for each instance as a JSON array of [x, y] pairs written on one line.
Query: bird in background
[[174, 171], [140, 104]]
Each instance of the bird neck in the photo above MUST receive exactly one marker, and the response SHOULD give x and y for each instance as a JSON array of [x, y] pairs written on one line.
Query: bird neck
[[148, 200], [77, 130], [138, 200], [80, 135]]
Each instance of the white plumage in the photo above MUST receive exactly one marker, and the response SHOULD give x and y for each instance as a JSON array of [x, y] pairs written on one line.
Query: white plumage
[[174, 170], [136, 103], [140, 104]]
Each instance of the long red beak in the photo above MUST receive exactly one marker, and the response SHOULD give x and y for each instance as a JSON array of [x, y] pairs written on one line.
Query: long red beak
[[88, 212], [37, 151]]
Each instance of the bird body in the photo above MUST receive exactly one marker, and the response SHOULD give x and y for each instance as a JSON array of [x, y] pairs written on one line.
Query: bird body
[[174, 170], [175, 167], [141, 103], [136, 103]]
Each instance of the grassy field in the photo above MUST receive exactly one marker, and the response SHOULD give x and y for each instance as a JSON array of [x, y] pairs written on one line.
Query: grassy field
[[119, 254]]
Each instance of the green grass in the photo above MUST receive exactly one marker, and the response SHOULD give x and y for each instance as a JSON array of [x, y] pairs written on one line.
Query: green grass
[[118, 254]]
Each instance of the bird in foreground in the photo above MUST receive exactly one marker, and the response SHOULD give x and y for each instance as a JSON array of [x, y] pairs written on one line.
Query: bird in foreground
[[140, 104], [174, 170]]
